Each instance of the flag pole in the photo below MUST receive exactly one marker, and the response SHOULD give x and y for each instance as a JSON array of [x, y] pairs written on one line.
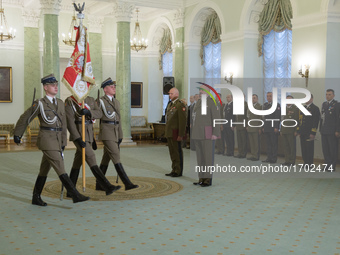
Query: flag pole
[[83, 149]]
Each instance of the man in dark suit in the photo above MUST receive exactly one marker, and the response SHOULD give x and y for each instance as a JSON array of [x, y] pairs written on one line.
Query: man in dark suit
[[228, 134], [52, 139], [330, 129], [271, 129], [241, 132], [254, 131], [111, 133], [220, 146], [307, 131]]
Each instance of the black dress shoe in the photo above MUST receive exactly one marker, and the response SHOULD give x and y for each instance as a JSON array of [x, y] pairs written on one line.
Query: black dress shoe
[[205, 185], [254, 159], [197, 183], [238, 156], [230, 155], [169, 174], [272, 161], [266, 161]]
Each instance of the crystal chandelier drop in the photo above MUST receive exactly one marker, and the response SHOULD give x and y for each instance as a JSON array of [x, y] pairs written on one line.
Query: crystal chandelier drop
[[5, 34], [138, 43], [70, 40]]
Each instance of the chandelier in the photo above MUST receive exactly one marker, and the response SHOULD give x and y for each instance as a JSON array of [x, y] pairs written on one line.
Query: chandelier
[[138, 43], [5, 34], [71, 37]]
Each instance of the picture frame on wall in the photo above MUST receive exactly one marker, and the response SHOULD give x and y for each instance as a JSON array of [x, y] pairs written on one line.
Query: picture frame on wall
[[6, 87], [136, 94]]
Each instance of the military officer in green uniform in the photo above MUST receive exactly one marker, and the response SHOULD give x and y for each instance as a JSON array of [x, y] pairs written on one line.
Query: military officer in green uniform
[[111, 133], [175, 131], [289, 132], [204, 135], [254, 130], [307, 129], [220, 146], [52, 139], [242, 132], [74, 113]]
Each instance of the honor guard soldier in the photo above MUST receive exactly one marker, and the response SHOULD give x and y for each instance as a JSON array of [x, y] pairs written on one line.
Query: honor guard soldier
[[271, 129], [254, 131], [242, 132], [228, 134], [74, 113], [175, 131], [52, 138], [329, 129], [288, 132], [307, 131], [111, 133], [204, 135]]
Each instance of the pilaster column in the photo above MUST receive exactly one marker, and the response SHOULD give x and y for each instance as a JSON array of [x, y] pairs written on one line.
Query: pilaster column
[[123, 13], [31, 56], [50, 9], [95, 25], [179, 53]]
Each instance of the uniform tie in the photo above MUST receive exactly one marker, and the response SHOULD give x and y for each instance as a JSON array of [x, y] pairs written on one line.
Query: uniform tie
[[55, 105]]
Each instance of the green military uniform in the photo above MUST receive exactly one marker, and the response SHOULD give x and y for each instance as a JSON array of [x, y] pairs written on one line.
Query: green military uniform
[[111, 134], [52, 139], [175, 126], [242, 132], [220, 146], [52, 135], [288, 133], [74, 125], [254, 132], [202, 131]]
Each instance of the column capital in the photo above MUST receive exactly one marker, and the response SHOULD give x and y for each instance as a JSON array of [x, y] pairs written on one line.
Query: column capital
[[95, 24], [123, 11], [179, 18], [31, 18], [50, 6]]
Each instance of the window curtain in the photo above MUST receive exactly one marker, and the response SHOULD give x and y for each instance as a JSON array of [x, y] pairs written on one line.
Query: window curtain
[[276, 15], [211, 33], [165, 46], [212, 63], [167, 71], [275, 44]]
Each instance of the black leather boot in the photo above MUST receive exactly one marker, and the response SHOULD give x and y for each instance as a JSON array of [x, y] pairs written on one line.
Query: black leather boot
[[123, 176], [103, 182], [71, 189], [38, 187], [103, 168], [74, 174]]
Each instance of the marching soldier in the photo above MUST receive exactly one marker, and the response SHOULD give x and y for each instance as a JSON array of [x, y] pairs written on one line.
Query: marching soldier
[[74, 114], [330, 129], [175, 131], [228, 136], [271, 129], [242, 132], [289, 132], [204, 135], [307, 131], [52, 139], [254, 131], [111, 133]]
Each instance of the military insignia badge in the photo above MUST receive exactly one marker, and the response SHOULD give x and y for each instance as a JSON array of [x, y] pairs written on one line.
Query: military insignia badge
[[183, 109]]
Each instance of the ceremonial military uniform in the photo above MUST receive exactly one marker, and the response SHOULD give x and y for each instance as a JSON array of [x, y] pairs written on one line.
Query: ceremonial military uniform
[[308, 126], [220, 146], [202, 132], [175, 126], [111, 134], [190, 112], [330, 124], [254, 133], [52, 139], [269, 132], [242, 132], [289, 133], [228, 136], [74, 114]]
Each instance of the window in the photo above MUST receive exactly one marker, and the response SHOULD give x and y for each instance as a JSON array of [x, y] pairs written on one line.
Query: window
[[167, 71], [212, 60]]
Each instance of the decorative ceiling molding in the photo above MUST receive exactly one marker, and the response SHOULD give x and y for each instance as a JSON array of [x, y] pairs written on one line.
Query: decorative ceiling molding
[[31, 18], [179, 18], [13, 3], [95, 24]]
